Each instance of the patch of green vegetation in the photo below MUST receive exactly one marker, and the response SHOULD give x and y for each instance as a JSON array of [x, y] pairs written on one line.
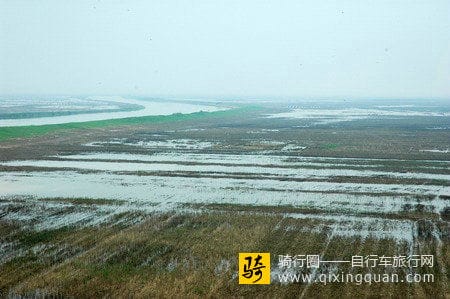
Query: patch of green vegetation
[[114, 272], [31, 238], [32, 131], [330, 146], [86, 201], [17, 261]]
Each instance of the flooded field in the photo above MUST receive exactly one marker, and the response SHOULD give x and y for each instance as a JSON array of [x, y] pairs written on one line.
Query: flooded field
[[127, 208]]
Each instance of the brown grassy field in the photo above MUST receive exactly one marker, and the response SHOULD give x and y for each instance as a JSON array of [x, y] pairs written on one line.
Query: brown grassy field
[[191, 255]]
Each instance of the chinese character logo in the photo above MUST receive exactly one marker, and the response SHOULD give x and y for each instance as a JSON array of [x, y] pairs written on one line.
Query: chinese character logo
[[254, 268]]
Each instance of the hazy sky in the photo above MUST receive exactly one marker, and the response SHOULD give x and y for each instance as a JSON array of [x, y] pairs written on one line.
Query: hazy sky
[[315, 48]]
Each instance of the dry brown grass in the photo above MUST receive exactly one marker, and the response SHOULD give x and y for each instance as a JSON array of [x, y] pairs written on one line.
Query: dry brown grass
[[174, 255]]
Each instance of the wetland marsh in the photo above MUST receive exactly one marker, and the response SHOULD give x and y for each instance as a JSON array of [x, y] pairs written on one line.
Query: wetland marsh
[[163, 208]]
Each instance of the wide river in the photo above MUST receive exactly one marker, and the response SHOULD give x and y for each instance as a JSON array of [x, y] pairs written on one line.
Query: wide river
[[149, 108]]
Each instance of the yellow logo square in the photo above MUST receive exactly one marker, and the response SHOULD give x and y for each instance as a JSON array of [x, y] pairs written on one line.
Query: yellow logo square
[[254, 268]]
